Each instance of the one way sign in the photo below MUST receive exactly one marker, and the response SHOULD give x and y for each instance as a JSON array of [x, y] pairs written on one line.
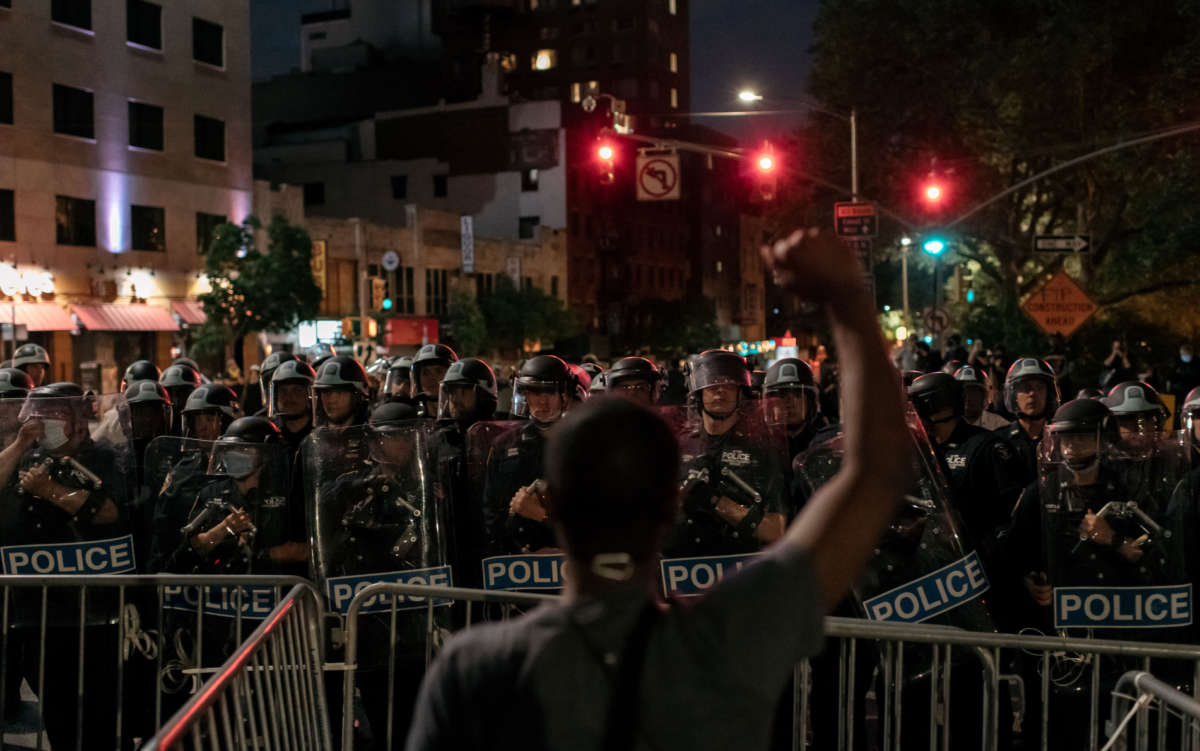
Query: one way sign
[[1062, 243]]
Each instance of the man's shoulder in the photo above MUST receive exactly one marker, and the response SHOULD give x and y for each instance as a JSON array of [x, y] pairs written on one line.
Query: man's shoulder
[[502, 646], [1010, 431]]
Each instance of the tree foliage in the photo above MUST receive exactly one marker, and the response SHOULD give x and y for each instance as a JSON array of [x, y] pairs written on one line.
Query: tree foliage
[[253, 291], [987, 94], [661, 326], [467, 323], [516, 316]]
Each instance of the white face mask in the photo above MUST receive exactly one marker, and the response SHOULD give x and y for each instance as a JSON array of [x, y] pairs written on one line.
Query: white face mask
[[1185, 357], [54, 434]]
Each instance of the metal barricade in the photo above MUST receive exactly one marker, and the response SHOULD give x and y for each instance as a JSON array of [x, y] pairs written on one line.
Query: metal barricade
[[269, 694], [111, 630], [433, 597], [1146, 692]]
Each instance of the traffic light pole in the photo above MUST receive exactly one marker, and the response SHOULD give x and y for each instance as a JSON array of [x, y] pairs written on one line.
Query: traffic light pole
[[853, 156]]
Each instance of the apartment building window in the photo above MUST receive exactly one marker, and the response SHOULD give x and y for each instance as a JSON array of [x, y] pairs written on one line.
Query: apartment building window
[[208, 42], [673, 62], [435, 291], [206, 226], [145, 126], [527, 226], [405, 300], [671, 7], [441, 186], [73, 112], [210, 138], [529, 180], [314, 194], [77, 13], [75, 221], [576, 92], [399, 187], [143, 23], [8, 216], [545, 60], [484, 284], [554, 286], [148, 228], [674, 98], [6, 98]]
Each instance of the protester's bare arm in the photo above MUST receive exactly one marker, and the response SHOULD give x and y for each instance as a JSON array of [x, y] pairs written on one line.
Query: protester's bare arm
[[843, 521]]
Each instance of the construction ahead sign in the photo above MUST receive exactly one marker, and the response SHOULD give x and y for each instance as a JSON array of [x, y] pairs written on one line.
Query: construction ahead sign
[[1060, 306]]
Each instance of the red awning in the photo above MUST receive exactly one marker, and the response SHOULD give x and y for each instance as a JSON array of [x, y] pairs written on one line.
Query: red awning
[[124, 317], [191, 313], [37, 316]]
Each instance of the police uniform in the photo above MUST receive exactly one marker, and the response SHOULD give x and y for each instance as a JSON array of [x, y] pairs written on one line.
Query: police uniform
[[268, 513], [733, 465], [378, 523], [515, 462], [466, 544], [985, 476], [175, 500], [1020, 442]]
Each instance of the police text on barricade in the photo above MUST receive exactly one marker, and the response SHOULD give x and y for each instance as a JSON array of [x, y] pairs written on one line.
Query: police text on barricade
[[517, 572], [341, 589], [932, 594], [252, 601], [113, 556], [1123, 607], [688, 577]]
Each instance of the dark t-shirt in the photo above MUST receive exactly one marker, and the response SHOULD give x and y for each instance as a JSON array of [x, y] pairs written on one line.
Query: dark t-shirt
[[712, 675]]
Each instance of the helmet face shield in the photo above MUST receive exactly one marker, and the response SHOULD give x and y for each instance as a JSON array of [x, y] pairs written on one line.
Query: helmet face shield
[[392, 443], [1079, 451], [235, 459], [640, 390], [290, 399], [543, 402], [458, 401], [793, 406]]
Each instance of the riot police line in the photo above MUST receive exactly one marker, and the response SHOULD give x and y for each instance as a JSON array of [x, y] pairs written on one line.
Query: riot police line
[[418, 483]]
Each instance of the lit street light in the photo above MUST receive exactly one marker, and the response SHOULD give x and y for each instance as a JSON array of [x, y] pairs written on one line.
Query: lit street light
[[749, 96]]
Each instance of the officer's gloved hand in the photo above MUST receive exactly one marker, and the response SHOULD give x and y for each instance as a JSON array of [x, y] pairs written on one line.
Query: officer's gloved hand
[[36, 481], [528, 502], [1095, 529], [699, 499]]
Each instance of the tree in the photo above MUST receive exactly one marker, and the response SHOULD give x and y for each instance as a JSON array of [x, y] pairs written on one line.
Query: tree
[[516, 316], [253, 291], [669, 326], [986, 95], [467, 323]]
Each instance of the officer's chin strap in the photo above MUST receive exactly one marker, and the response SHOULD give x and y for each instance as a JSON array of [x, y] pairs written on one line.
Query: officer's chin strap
[[617, 567]]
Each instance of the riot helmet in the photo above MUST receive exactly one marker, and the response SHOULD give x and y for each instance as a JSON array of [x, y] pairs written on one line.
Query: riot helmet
[[908, 376], [141, 370], [180, 381], [391, 436], [1079, 434], [239, 452], [209, 411], [599, 385], [541, 390], [272, 361], [291, 390], [725, 378], [1189, 413], [1140, 414], [469, 392], [592, 369], [1022, 394], [342, 393], [428, 367], [398, 382], [953, 366], [150, 410], [189, 362], [791, 393], [937, 398], [975, 386], [636, 378], [14, 384], [34, 360], [582, 381], [64, 410], [1090, 393]]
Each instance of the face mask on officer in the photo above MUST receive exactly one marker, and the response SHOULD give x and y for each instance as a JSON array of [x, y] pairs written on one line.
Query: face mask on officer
[[54, 434], [239, 464]]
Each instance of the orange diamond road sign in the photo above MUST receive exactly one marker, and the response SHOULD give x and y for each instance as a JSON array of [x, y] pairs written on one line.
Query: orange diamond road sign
[[1060, 306]]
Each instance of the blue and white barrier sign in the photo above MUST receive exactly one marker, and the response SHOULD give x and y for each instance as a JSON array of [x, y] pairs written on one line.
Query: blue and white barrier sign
[[689, 577], [114, 556], [1123, 607], [519, 572], [252, 601], [932, 594], [341, 589]]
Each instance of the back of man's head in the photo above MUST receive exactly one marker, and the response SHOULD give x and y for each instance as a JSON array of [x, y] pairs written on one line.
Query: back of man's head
[[612, 474]]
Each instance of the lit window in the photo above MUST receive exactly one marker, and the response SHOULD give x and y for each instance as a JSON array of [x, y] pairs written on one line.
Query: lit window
[[545, 59], [674, 98], [674, 63], [533, 4], [593, 87], [671, 7], [576, 92]]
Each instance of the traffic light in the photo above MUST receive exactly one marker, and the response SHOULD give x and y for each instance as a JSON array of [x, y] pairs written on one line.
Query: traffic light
[[934, 245], [765, 172], [378, 293], [933, 193], [606, 155]]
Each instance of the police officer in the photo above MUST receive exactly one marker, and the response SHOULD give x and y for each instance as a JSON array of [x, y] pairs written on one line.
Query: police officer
[[180, 380], [977, 392], [241, 522], [343, 395], [397, 385], [733, 486], [582, 381], [1090, 393], [635, 378], [428, 367], [985, 475], [1030, 393], [62, 488], [1140, 414], [516, 517], [34, 360], [791, 395], [599, 385], [291, 401], [150, 416], [14, 386], [265, 373], [188, 362], [592, 369], [1189, 414], [141, 370], [376, 373]]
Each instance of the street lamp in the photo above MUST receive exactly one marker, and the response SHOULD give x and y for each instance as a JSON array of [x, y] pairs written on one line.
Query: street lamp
[[749, 96]]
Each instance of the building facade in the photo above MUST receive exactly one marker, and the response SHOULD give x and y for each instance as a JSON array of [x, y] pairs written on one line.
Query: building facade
[[124, 138]]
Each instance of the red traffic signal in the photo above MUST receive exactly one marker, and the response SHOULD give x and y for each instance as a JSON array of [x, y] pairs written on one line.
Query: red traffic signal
[[606, 155], [766, 162], [765, 168], [933, 193]]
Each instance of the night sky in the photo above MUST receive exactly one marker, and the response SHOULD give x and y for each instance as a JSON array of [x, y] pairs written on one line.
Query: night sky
[[735, 43]]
